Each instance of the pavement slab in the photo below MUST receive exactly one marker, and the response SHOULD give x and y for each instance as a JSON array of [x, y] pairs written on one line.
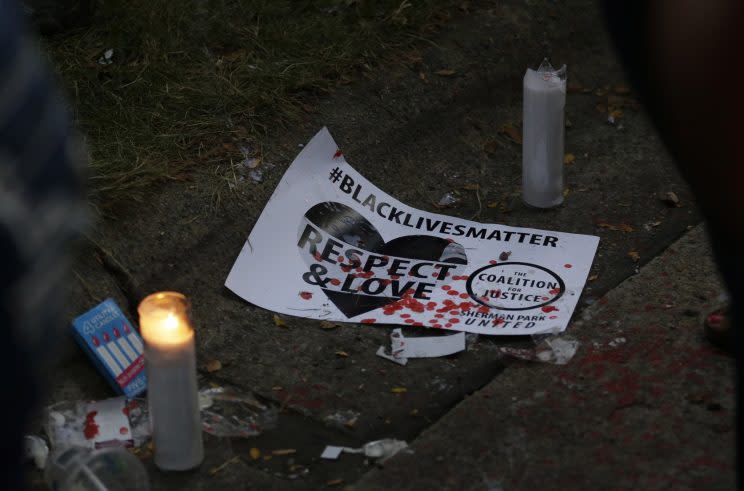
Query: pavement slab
[[645, 404]]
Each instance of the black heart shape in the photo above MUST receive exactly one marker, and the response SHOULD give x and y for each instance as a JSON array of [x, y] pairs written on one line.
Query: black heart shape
[[346, 225]]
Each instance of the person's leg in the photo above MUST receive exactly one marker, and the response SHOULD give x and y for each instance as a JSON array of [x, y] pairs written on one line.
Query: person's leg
[[682, 56], [40, 211]]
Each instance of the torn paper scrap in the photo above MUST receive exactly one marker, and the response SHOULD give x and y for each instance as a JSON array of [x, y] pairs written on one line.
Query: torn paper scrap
[[332, 246], [36, 449], [378, 449], [331, 452], [382, 353], [383, 449], [402, 348], [557, 350], [90, 424], [107, 423]]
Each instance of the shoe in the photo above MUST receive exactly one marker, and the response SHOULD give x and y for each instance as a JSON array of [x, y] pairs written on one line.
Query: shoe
[[718, 329]]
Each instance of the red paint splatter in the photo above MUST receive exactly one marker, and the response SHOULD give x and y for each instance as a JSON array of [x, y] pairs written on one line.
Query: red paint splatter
[[405, 316], [464, 295], [123, 430], [317, 256], [448, 325], [492, 261], [454, 321], [338, 154], [340, 259], [128, 408], [498, 321], [483, 309], [90, 430], [453, 292], [437, 326], [553, 317], [438, 316], [555, 291], [567, 266], [446, 287], [545, 298], [433, 321], [368, 321], [549, 308], [409, 321], [417, 324], [335, 281], [306, 295]]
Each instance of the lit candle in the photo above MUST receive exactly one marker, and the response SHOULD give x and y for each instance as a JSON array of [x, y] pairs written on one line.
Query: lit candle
[[542, 136], [170, 360]]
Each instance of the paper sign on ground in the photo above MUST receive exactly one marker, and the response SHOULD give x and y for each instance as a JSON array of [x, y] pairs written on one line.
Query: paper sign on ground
[[330, 245]]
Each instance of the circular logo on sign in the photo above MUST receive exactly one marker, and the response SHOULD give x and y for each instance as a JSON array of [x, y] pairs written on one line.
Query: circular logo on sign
[[515, 286]]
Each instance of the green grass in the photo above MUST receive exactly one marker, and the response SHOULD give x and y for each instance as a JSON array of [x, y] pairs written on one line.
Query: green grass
[[191, 78]]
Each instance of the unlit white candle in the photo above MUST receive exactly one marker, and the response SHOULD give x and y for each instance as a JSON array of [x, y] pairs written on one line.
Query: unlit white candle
[[542, 136], [170, 361]]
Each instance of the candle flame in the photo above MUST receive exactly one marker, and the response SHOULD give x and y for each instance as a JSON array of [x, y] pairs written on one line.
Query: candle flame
[[164, 319], [170, 322]]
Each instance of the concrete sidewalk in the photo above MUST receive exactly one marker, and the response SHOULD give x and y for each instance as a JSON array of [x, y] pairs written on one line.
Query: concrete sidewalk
[[418, 137], [645, 404]]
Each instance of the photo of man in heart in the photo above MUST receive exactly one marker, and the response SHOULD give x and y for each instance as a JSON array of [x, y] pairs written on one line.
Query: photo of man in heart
[[359, 271]]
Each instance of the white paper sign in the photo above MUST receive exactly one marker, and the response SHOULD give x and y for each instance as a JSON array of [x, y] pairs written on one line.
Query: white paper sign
[[330, 245]]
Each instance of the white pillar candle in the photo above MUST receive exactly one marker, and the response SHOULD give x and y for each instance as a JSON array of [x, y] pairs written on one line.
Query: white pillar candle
[[170, 361], [542, 136]]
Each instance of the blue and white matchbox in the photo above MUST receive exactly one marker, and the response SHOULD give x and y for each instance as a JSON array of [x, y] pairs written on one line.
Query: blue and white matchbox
[[114, 346]]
